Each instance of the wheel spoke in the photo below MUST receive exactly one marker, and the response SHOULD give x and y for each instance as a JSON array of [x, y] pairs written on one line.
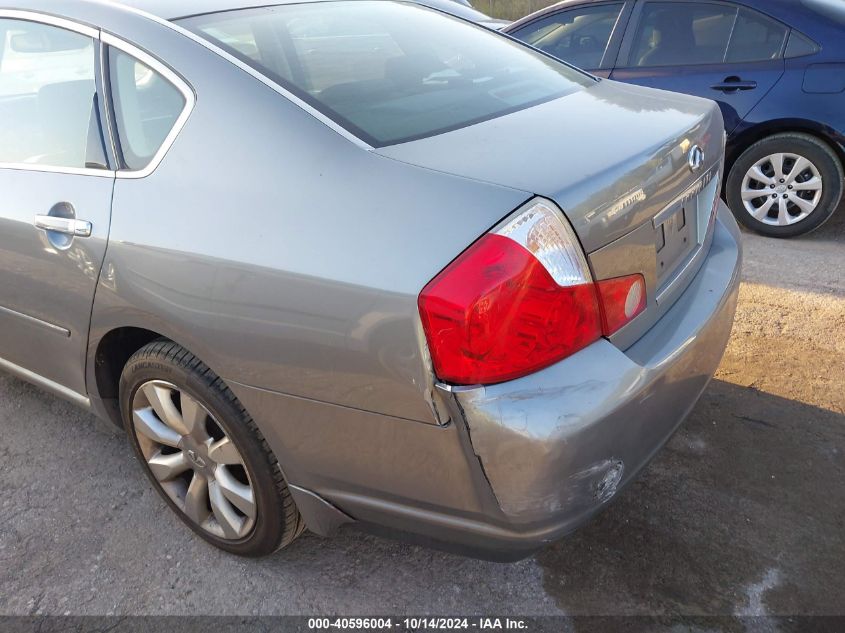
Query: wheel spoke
[[753, 194], [805, 205], [757, 174], [167, 467], [224, 452], [199, 476], [196, 500], [764, 209], [801, 165], [240, 495], [152, 427], [193, 416], [784, 218], [777, 165], [229, 521], [161, 401], [814, 184]]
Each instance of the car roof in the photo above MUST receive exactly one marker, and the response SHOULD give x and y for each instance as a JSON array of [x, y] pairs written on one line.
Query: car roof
[[175, 9]]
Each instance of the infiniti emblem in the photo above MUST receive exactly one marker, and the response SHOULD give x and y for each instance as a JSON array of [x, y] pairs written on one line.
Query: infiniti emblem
[[192, 455], [695, 158]]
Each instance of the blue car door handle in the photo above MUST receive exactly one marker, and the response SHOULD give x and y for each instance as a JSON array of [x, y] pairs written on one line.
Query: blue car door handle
[[731, 84]]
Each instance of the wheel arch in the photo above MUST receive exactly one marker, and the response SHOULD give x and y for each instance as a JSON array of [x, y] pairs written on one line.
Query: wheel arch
[[108, 357], [112, 344], [751, 135]]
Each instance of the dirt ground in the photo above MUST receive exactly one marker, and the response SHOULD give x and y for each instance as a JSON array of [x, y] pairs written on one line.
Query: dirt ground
[[743, 513]]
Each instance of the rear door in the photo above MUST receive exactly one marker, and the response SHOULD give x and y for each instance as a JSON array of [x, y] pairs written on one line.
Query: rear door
[[587, 36], [716, 50], [55, 196]]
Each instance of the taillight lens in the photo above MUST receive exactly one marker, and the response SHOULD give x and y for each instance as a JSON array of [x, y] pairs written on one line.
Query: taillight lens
[[518, 300], [622, 300]]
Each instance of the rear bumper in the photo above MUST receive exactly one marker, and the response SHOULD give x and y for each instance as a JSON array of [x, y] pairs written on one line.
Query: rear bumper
[[523, 462], [558, 445]]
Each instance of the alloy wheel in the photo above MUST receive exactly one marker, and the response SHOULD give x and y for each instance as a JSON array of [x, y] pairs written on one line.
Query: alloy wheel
[[193, 460], [782, 189]]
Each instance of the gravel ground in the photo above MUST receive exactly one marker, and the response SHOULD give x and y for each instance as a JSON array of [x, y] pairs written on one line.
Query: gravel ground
[[742, 513]]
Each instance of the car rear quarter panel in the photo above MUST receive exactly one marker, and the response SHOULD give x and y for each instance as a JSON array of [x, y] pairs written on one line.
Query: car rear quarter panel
[[285, 256], [790, 107]]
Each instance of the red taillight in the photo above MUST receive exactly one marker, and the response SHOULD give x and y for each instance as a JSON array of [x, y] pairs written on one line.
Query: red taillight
[[622, 300], [518, 300]]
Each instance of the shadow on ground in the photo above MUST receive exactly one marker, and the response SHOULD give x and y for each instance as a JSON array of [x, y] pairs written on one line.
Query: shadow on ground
[[742, 513]]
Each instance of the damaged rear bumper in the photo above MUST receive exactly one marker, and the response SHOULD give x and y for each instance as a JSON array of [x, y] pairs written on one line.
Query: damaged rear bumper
[[524, 462], [556, 446]]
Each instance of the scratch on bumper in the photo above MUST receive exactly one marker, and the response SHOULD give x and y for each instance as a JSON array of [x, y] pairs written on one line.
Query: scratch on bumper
[[560, 443]]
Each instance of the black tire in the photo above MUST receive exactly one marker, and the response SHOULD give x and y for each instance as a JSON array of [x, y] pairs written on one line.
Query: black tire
[[277, 522], [810, 147]]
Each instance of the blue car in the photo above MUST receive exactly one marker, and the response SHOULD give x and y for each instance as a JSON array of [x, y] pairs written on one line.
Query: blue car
[[776, 68]]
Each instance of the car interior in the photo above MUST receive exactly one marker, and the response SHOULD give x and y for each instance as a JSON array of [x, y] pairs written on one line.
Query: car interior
[[47, 88], [674, 35], [580, 41], [380, 75], [680, 34]]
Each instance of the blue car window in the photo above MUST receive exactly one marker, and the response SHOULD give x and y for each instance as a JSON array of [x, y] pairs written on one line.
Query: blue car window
[[755, 38], [799, 45], [579, 36], [679, 34]]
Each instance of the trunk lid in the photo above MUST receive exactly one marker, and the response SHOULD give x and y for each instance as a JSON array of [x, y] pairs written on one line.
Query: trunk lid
[[617, 160], [611, 155]]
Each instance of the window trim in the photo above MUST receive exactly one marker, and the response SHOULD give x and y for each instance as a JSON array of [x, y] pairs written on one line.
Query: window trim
[[793, 31], [75, 27], [249, 70], [108, 130], [167, 73], [326, 114], [627, 48], [280, 89]]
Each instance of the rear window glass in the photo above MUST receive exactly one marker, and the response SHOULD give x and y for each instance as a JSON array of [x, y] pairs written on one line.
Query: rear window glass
[[799, 46], [389, 72]]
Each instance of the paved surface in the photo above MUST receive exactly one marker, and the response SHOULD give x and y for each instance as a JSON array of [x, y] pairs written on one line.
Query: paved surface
[[743, 512]]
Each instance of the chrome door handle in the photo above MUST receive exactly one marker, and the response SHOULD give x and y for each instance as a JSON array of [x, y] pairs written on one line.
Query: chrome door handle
[[65, 226]]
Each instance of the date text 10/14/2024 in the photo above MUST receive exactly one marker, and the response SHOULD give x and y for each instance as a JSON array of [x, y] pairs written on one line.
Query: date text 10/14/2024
[[419, 624]]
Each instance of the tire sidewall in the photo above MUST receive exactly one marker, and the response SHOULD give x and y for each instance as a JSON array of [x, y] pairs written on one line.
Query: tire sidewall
[[267, 533], [821, 157]]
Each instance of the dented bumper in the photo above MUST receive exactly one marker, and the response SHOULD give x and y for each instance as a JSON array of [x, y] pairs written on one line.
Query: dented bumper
[[559, 444], [523, 462]]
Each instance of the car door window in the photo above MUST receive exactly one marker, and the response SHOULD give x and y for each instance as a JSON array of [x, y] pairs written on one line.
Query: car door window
[[147, 107], [579, 36], [799, 46], [678, 34], [755, 38], [48, 107]]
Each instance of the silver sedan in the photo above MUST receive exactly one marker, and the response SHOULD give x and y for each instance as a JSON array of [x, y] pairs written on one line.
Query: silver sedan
[[356, 262]]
